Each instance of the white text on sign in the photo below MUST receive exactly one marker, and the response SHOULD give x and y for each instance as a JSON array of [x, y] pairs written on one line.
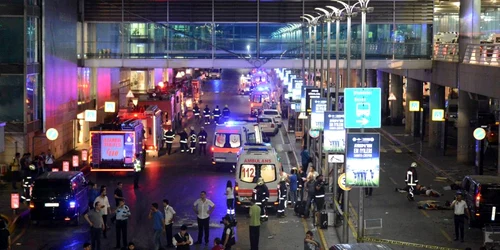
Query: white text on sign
[[258, 161]]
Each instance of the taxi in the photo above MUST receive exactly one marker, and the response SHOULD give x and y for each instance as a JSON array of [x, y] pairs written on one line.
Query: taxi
[[254, 161]]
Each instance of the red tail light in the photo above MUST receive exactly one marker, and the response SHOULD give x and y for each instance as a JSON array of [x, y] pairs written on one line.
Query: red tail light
[[251, 105], [492, 134], [212, 149], [478, 197], [272, 125]]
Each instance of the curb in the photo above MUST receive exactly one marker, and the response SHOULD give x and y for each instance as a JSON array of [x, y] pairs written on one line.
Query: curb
[[420, 159], [12, 223]]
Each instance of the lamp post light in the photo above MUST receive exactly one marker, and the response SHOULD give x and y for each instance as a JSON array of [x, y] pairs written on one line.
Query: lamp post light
[[328, 20], [309, 20], [337, 17], [363, 4]]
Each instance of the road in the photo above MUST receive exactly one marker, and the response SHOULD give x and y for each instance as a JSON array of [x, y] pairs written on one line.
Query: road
[[179, 178]]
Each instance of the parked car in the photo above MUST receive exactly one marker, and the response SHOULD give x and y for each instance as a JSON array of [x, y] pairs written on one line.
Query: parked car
[[482, 192], [275, 114], [267, 124]]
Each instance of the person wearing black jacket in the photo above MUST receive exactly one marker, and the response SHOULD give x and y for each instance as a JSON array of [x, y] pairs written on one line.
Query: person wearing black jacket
[[183, 141], [411, 180]]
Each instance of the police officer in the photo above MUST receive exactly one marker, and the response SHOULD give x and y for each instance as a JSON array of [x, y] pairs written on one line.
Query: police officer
[[282, 196], [137, 170], [226, 112], [183, 140], [196, 111], [192, 140], [261, 196], [216, 113], [319, 196], [202, 138], [169, 137], [411, 180], [27, 183], [206, 114]]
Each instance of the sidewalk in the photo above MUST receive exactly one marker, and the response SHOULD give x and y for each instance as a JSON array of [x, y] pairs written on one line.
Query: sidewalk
[[444, 165]]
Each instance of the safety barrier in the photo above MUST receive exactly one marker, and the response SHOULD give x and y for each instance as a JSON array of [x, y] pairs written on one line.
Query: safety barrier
[[447, 52], [406, 244], [483, 54]]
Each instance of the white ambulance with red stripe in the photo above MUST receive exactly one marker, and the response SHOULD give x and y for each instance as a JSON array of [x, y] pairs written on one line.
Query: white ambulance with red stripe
[[255, 161]]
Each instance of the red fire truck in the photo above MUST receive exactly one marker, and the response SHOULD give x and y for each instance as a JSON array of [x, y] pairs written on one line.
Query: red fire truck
[[114, 146]]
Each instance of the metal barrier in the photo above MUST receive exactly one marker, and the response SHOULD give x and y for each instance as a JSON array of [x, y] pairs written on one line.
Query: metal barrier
[[483, 54], [447, 52]]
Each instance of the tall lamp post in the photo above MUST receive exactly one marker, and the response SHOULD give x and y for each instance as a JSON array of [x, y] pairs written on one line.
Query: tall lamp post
[[328, 20], [363, 4], [310, 20], [337, 17]]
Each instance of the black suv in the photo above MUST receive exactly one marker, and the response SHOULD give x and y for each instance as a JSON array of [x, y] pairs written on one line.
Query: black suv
[[59, 196], [482, 192]]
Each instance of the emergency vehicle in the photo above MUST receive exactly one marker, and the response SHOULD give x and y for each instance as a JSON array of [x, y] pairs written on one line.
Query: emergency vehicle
[[113, 146], [257, 99], [229, 138], [151, 117], [255, 161]]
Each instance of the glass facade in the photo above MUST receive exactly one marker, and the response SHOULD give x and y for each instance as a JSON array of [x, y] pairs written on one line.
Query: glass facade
[[84, 85], [490, 22], [240, 40], [32, 40], [32, 100], [11, 98], [11, 39]]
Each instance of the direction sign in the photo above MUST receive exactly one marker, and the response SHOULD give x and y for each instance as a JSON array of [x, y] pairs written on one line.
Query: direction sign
[[336, 158], [342, 183], [479, 133], [363, 160], [362, 107], [414, 106], [438, 115], [90, 115], [109, 107]]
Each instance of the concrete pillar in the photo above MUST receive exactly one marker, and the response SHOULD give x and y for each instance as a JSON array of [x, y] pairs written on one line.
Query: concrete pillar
[[467, 109], [383, 84], [413, 93], [470, 18], [396, 88], [371, 78], [354, 79], [436, 101]]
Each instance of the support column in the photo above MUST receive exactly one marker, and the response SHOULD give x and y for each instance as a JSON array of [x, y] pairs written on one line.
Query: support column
[[413, 93], [396, 88], [467, 108], [436, 101], [371, 78], [383, 84], [470, 18]]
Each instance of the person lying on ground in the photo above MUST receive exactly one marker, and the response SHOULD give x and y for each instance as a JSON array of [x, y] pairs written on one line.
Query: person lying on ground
[[420, 190]]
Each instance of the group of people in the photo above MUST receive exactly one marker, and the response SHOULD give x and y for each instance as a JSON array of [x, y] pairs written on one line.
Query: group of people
[[28, 166], [192, 138], [217, 113]]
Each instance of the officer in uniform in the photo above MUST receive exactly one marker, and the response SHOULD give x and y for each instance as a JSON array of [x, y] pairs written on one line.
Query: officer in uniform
[[411, 180], [202, 137], [169, 137], [281, 197], [319, 196], [216, 113], [183, 140], [196, 111], [206, 114], [226, 112], [261, 196], [192, 140], [137, 170]]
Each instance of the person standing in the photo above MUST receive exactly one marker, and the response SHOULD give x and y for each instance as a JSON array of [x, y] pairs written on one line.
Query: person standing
[[460, 209], [93, 193], [15, 167], [137, 170], [203, 207], [118, 193], [105, 208], [227, 238], [217, 114], [229, 198], [319, 197], [411, 180], [183, 141], [281, 197], [49, 160], [169, 139], [293, 187], [311, 189], [94, 218], [122, 215], [301, 178], [169, 219], [202, 138], [206, 114], [182, 240], [254, 225], [192, 140], [305, 158], [261, 196], [158, 222]]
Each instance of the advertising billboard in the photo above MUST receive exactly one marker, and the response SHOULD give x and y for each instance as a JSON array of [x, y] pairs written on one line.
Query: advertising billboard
[[317, 116], [334, 134], [112, 147], [363, 160], [311, 93], [296, 89]]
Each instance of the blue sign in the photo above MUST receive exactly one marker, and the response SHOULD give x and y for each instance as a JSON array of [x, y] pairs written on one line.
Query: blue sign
[[311, 93], [317, 117], [303, 97], [296, 89], [334, 134], [363, 160], [362, 107]]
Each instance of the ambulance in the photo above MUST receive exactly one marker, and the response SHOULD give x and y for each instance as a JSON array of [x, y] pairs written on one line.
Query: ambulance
[[228, 140], [257, 99], [254, 161]]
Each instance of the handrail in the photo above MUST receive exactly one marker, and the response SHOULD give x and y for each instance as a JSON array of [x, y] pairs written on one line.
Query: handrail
[[447, 52], [483, 54]]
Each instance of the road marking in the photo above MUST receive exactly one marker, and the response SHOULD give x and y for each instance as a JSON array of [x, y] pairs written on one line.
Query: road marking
[[425, 213], [323, 240], [381, 169], [445, 234], [393, 181], [396, 149], [304, 223], [382, 149]]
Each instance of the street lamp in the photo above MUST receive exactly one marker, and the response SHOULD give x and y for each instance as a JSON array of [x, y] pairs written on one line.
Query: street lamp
[[363, 4], [309, 20], [337, 17], [313, 23]]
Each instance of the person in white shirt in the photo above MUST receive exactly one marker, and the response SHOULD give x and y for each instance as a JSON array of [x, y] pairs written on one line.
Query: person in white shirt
[[203, 207], [460, 210], [229, 198], [49, 160], [169, 219], [105, 208]]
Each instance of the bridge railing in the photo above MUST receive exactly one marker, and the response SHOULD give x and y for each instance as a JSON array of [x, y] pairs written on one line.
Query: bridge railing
[[446, 52], [483, 54]]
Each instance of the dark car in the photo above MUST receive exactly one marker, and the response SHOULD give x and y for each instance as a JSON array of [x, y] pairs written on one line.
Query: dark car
[[482, 192], [59, 196]]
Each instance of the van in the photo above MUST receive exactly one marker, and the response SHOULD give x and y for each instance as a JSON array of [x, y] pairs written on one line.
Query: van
[[481, 194], [60, 196], [268, 125], [255, 161]]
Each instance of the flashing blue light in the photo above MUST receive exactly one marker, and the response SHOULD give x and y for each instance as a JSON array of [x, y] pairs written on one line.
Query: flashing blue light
[[72, 204], [260, 89], [230, 123]]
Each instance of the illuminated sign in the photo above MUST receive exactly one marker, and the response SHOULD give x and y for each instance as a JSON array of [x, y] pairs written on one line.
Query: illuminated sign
[[75, 161], [52, 134], [14, 200], [112, 147], [90, 115], [363, 160], [319, 106], [109, 107], [65, 166]]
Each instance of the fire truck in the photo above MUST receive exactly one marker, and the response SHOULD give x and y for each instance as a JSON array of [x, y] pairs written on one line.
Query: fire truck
[[151, 118], [113, 146]]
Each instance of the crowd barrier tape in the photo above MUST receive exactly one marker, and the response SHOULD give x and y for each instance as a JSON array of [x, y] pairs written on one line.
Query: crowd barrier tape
[[402, 243]]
